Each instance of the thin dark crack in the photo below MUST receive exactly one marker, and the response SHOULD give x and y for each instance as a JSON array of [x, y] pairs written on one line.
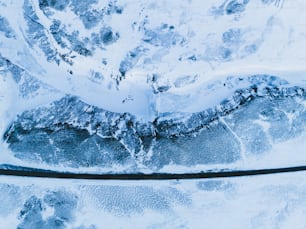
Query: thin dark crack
[[8, 170]]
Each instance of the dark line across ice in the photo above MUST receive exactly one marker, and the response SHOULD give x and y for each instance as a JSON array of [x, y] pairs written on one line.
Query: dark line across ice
[[40, 173]]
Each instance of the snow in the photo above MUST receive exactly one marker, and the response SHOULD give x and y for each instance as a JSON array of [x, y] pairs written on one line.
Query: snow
[[261, 201], [278, 29], [159, 68]]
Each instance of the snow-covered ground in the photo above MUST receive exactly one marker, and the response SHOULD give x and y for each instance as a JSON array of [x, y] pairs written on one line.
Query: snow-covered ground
[[153, 86], [183, 46], [272, 201]]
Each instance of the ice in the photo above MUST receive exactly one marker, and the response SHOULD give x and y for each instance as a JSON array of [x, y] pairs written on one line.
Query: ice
[[177, 49], [234, 7], [5, 28], [63, 204], [214, 185], [265, 121], [251, 134], [262, 201], [152, 87], [36, 33], [164, 36], [11, 198], [130, 60], [69, 146], [58, 5], [69, 132], [213, 145]]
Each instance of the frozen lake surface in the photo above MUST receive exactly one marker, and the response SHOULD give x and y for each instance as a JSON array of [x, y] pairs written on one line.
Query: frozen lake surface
[[121, 87]]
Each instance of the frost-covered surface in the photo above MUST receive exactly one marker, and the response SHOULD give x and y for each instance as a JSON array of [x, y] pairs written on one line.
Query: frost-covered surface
[[273, 201], [70, 100], [244, 129], [153, 86], [132, 51]]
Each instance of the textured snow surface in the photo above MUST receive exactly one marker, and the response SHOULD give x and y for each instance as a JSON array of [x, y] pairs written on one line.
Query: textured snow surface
[[153, 86], [242, 131], [150, 56], [273, 201]]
